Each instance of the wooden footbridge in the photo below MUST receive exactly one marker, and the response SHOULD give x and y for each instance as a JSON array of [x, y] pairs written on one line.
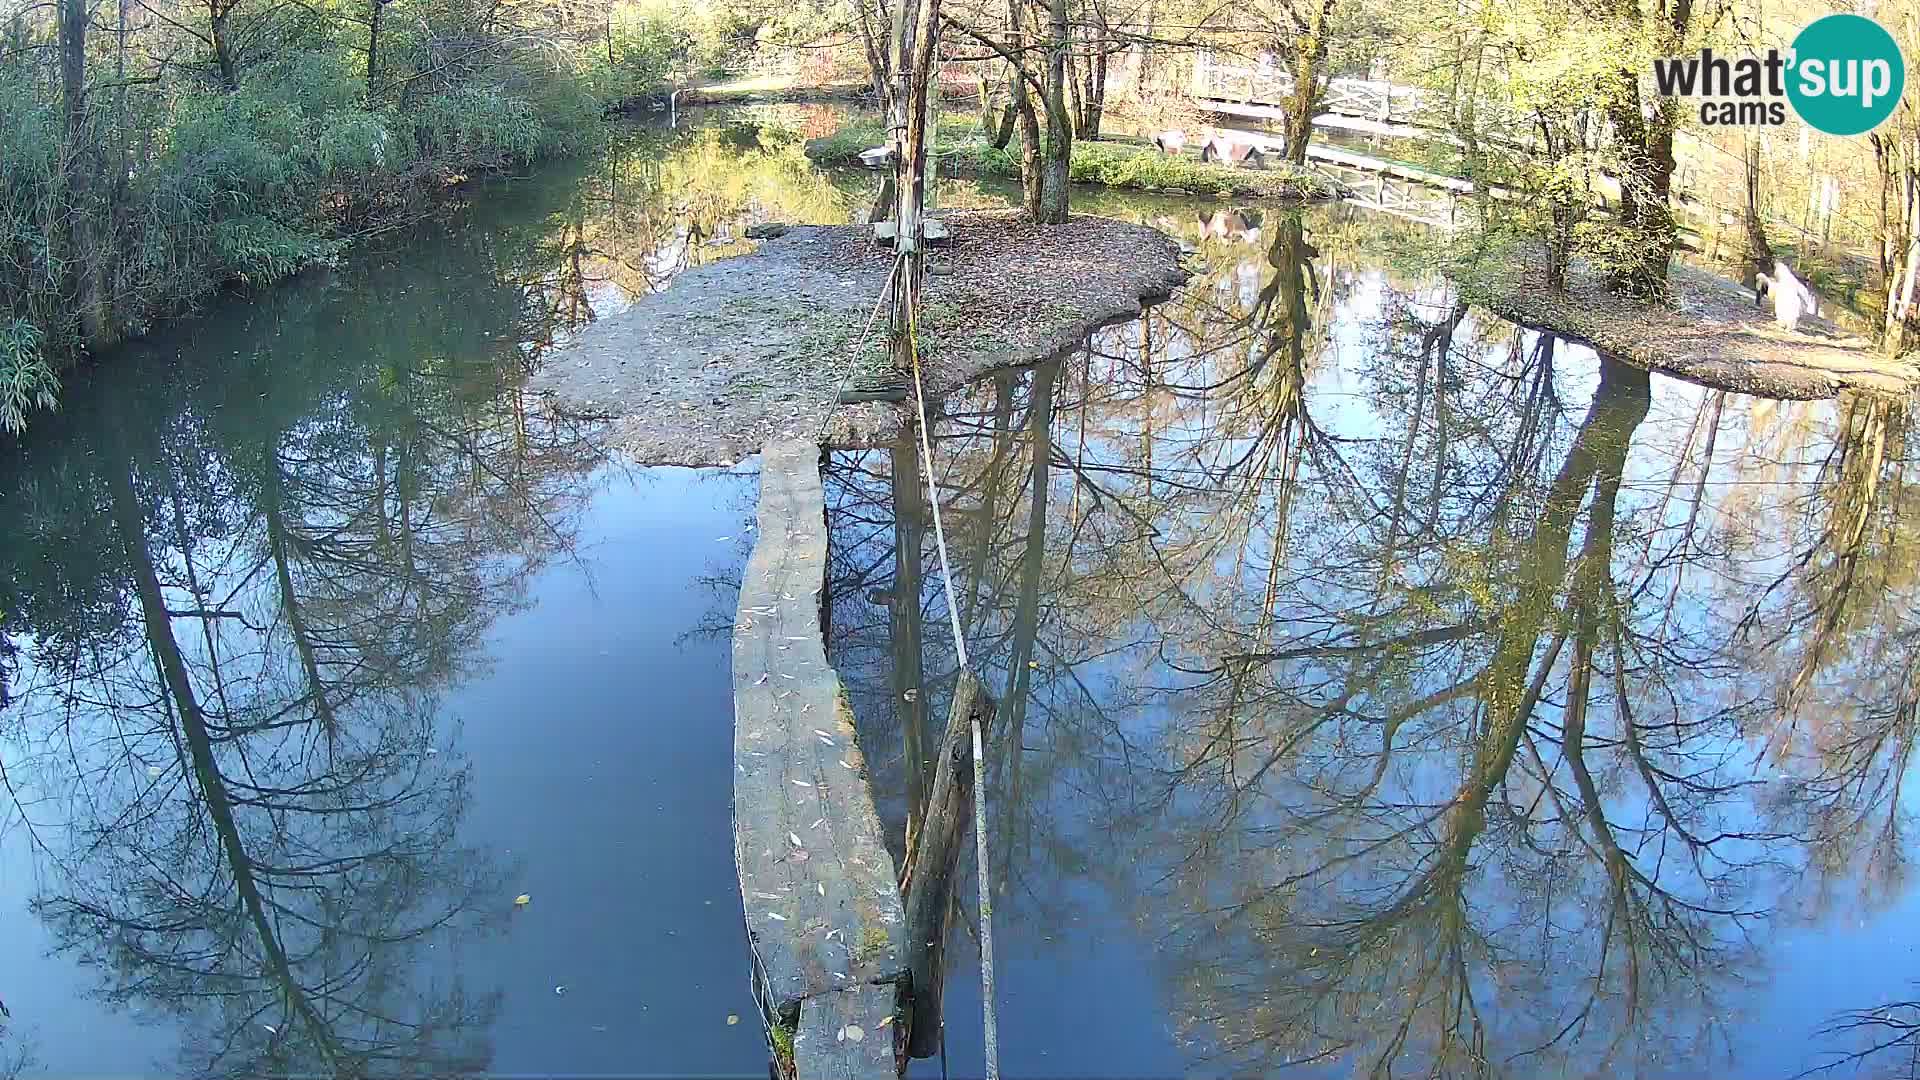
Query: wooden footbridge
[[847, 971], [1364, 106], [1376, 107]]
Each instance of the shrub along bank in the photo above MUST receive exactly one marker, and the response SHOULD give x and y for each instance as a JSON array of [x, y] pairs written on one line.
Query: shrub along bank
[[144, 167]]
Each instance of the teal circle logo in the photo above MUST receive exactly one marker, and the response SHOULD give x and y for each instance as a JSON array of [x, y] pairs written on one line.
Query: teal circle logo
[[1846, 74]]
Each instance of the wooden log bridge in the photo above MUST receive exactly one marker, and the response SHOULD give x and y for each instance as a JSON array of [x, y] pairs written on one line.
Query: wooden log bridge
[[833, 969], [824, 916]]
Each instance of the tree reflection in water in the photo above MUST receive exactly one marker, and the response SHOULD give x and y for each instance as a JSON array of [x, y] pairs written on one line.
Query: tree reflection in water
[[1446, 699], [242, 596]]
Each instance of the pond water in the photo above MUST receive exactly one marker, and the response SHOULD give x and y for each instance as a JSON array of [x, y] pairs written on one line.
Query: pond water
[[1386, 689]]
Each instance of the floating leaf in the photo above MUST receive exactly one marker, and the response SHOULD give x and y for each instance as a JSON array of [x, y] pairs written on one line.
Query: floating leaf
[[776, 916], [801, 783], [885, 1020], [732, 1019], [854, 1032], [795, 837], [523, 900]]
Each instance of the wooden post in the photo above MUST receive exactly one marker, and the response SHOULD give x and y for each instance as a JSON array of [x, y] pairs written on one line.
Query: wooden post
[[933, 864], [915, 37]]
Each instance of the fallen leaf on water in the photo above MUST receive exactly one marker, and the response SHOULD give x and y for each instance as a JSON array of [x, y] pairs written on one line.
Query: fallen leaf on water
[[776, 916], [821, 887], [801, 783], [854, 1032], [561, 989], [523, 900], [795, 837], [732, 1019], [1034, 664], [885, 1020], [801, 855]]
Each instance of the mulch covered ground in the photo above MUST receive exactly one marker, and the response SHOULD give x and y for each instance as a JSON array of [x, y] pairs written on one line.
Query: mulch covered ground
[[757, 347], [1712, 334]]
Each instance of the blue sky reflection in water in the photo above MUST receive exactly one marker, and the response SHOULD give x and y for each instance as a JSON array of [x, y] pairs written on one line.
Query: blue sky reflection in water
[[1399, 692], [326, 643]]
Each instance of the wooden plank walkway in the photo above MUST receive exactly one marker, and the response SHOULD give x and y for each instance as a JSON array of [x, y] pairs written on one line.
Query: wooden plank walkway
[[823, 908]]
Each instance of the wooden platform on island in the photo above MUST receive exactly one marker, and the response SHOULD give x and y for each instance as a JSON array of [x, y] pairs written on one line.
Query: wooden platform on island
[[824, 913]]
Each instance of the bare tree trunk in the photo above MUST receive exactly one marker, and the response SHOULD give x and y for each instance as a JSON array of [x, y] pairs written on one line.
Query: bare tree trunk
[[1097, 93], [217, 26], [1032, 184], [373, 49], [82, 168], [1758, 255], [1309, 82], [878, 65], [1054, 196], [998, 129], [1645, 139]]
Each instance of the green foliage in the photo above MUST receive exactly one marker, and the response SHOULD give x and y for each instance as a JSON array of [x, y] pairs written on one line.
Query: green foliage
[[257, 250], [646, 47], [32, 201], [27, 381], [470, 122], [190, 185]]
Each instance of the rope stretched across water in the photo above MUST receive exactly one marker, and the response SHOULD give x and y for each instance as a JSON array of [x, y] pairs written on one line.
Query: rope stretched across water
[[989, 1023], [990, 1026]]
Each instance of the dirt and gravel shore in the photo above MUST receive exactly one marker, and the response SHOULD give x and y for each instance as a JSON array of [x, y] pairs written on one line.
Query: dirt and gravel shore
[[758, 347]]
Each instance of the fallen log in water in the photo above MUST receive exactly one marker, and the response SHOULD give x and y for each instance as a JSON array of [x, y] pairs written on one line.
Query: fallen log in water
[[933, 864]]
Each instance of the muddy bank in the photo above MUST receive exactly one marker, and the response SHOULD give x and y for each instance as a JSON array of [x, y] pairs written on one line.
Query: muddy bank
[[746, 350], [1712, 334]]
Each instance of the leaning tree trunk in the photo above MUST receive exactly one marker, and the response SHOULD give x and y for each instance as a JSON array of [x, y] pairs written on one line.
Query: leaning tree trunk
[[996, 121], [1309, 82], [1032, 183]]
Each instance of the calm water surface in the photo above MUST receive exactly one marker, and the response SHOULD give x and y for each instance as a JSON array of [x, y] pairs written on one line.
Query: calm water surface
[[1386, 690]]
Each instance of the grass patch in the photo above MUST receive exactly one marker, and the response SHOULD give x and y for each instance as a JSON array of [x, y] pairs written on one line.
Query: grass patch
[[781, 1036], [1108, 164]]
